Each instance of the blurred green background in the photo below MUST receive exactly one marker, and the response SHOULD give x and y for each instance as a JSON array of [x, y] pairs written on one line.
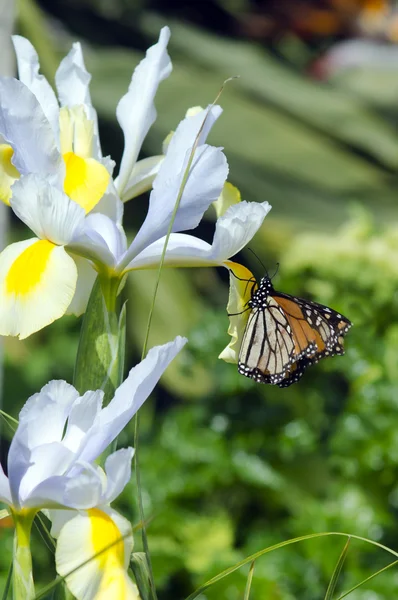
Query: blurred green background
[[230, 466]]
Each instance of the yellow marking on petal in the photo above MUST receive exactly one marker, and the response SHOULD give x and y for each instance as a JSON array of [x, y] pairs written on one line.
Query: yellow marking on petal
[[27, 270], [8, 173], [86, 180], [240, 292], [106, 534], [194, 110], [229, 196]]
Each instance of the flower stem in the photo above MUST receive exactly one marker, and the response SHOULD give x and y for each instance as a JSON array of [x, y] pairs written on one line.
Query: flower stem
[[23, 586]]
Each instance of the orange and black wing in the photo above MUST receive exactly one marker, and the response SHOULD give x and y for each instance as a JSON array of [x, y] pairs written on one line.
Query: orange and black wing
[[286, 335], [321, 327]]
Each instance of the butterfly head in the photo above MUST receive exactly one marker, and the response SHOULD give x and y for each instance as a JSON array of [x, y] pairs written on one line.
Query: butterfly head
[[259, 297]]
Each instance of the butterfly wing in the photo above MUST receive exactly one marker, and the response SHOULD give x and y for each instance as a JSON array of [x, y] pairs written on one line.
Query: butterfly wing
[[284, 335], [327, 326], [268, 349]]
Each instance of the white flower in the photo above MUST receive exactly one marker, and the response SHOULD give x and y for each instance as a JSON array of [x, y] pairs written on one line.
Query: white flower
[[51, 466], [60, 434], [52, 173]]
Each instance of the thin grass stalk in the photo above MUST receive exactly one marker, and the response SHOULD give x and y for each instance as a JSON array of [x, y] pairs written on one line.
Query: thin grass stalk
[[145, 345]]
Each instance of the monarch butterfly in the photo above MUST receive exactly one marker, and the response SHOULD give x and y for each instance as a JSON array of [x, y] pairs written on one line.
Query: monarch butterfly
[[284, 335]]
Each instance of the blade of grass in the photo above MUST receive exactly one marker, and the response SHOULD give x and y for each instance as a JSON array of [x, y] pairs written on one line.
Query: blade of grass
[[392, 564], [249, 581], [260, 553], [337, 571], [145, 345], [7, 584]]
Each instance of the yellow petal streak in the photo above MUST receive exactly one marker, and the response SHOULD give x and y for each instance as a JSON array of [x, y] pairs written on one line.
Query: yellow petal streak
[[105, 534], [27, 270], [8, 173], [240, 292], [86, 180]]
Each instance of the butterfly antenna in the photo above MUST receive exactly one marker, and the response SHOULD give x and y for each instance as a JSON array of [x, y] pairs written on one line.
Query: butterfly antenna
[[259, 260], [276, 271]]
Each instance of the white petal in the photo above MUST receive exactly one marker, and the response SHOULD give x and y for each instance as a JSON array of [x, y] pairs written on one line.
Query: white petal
[[81, 418], [129, 397], [72, 80], [92, 574], [34, 433], [118, 473], [237, 227], [5, 492], [183, 250], [46, 210], [234, 230], [25, 127], [136, 111], [110, 205], [102, 240], [43, 483], [55, 400], [39, 291], [86, 276], [83, 490], [142, 176], [28, 70], [207, 174]]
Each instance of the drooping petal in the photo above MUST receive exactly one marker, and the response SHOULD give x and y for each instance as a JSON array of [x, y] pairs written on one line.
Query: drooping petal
[[72, 80], [86, 276], [142, 176], [237, 227], [46, 210], [129, 397], [37, 284], [25, 127], [206, 177], [118, 473], [136, 111], [83, 490], [8, 173], [101, 541], [233, 232], [28, 70], [242, 285]]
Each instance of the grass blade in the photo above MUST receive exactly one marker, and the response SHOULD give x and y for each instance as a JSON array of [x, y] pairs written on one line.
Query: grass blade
[[337, 571], [392, 564], [249, 581], [260, 553]]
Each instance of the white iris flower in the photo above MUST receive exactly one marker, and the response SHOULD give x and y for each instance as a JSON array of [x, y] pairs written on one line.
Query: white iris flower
[[52, 173], [51, 466]]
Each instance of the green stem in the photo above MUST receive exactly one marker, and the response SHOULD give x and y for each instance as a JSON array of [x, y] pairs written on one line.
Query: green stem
[[23, 586]]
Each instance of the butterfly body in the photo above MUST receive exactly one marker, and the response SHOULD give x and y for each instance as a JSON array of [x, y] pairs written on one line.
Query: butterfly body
[[284, 335]]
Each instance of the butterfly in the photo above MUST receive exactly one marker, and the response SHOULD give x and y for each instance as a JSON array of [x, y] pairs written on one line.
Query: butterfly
[[284, 335]]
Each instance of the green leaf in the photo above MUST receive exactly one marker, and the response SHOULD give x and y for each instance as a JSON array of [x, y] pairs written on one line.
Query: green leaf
[[100, 355], [139, 566]]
